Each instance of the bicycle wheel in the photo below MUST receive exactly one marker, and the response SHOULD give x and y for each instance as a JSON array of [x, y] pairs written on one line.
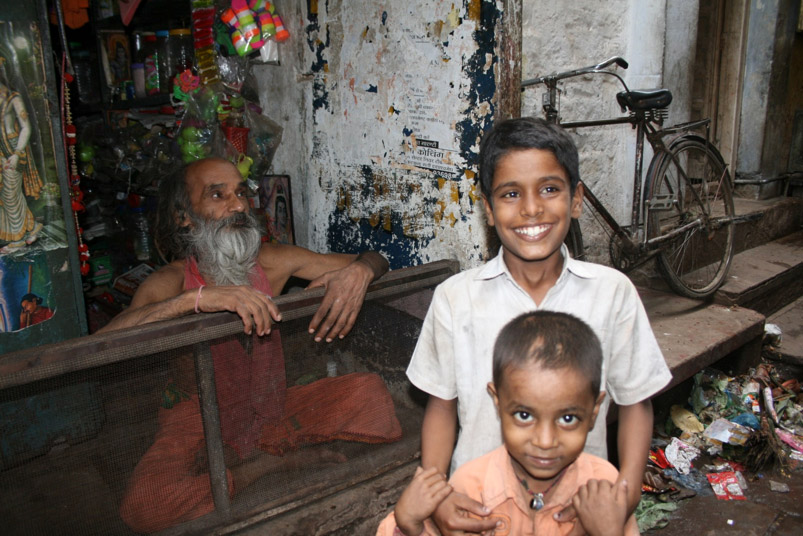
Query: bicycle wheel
[[574, 241], [690, 209]]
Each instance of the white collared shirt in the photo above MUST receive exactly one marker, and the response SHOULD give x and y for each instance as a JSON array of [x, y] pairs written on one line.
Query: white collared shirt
[[454, 353]]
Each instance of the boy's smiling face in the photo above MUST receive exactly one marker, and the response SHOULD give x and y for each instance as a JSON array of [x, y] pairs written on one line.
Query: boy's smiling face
[[546, 416], [531, 206]]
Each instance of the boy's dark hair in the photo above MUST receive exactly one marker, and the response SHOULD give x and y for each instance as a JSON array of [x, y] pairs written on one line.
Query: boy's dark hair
[[554, 341], [526, 133]]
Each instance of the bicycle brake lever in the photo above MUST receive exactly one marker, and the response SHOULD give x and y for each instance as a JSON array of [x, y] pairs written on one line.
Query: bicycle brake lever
[[618, 60]]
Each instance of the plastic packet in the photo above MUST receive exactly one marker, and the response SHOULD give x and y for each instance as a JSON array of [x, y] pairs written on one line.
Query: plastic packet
[[726, 486], [198, 136], [685, 420], [726, 431], [263, 140]]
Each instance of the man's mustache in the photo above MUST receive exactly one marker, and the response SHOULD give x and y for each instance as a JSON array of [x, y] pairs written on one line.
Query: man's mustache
[[236, 220]]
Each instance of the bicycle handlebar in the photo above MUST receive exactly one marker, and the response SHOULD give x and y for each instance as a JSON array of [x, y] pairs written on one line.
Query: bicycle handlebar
[[598, 68]]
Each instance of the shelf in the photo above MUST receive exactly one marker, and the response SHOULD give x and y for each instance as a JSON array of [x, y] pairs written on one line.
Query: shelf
[[148, 102]]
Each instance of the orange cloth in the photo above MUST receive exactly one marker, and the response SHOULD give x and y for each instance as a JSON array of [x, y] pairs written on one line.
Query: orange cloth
[[255, 410], [250, 385], [76, 13], [354, 407], [163, 491], [490, 480]]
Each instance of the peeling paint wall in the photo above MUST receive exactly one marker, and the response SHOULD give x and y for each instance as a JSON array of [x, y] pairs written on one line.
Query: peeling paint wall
[[383, 105]]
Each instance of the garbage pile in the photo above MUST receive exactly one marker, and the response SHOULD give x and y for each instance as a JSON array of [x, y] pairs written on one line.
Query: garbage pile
[[731, 427]]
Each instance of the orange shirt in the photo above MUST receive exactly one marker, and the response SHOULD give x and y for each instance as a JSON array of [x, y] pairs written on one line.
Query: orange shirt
[[490, 480]]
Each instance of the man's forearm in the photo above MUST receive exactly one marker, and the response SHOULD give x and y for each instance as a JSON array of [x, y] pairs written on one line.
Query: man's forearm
[[175, 307], [633, 439], [376, 262]]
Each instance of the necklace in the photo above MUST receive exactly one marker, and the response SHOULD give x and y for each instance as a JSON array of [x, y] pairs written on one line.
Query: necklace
[[537, 502]]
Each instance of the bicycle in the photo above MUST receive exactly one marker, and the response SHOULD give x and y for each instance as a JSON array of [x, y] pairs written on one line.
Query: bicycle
[[682, 209]]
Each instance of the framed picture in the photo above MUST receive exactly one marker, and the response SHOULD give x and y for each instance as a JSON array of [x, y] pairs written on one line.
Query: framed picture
[[274, 199], [116, 57], [41, 295]]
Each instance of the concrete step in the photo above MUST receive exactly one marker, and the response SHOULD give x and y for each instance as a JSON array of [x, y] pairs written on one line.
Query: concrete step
[[694, 335], [767, 277], [762, 221]]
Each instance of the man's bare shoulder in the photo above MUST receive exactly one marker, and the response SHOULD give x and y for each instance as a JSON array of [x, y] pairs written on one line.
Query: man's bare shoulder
[[273, 255], [164, 283]]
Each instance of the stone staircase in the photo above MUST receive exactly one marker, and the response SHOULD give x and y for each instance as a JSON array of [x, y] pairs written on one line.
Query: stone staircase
[[765, 279], [764, 286]]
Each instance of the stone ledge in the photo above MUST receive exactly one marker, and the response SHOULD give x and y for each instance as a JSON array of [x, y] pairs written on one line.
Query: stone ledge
[[694, 334]]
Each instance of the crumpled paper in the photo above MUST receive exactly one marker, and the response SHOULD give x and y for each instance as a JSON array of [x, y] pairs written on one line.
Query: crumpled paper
[[680, 455]]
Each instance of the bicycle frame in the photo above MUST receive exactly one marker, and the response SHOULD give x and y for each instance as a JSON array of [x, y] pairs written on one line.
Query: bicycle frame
[[644, 128]]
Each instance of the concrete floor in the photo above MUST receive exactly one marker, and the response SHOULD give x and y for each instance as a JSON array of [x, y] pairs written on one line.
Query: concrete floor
[[765, 512]]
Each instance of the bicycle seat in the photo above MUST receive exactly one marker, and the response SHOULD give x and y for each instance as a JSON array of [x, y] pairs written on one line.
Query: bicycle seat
[[644, 100]]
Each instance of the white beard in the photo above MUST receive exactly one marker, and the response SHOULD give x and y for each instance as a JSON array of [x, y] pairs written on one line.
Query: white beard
[[227, 249]]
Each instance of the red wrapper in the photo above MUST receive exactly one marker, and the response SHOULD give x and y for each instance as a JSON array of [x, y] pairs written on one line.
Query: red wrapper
[[726, 486]]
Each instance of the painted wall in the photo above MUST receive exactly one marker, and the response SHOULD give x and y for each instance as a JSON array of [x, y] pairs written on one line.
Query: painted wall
[[763, 15], [383, 105]]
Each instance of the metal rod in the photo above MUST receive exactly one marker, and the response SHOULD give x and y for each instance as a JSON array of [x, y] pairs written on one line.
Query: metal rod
[[635, 214], [599, 122]]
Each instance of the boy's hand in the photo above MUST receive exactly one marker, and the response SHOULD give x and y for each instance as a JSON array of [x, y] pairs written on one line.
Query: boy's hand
[[569, 515], [458, 514], [420, 499], [602, 507]]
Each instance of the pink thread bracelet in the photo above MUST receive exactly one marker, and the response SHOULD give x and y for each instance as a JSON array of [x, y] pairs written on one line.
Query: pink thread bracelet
[[198, 298]]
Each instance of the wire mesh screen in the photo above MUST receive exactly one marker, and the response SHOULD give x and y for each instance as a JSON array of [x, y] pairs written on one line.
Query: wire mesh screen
[[130, 447]]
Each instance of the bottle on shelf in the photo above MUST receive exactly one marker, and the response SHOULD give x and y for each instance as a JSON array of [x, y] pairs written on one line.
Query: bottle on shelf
[[141, 234], [181, 53], [150, 54], [165, 61]]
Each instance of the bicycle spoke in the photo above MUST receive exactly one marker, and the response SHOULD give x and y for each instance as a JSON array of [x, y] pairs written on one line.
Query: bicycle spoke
[[690, 218]]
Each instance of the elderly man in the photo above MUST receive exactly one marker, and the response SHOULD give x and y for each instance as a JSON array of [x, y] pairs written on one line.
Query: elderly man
[[219, 264]]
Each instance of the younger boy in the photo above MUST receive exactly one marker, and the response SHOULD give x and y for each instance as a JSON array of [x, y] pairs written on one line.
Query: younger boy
[[546, 390], [530, 181]]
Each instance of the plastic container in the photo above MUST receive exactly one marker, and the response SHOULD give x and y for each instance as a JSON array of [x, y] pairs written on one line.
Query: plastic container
[[150, 53], [165, 61], [141, 234], [137, 55], [85, 78], [181, 52], [138, 74]]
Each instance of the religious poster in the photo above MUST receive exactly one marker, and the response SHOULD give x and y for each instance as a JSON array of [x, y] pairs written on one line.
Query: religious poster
[[26, 297], [274, 198], [39, 292]]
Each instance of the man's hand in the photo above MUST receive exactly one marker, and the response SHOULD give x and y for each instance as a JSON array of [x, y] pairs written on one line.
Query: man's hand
[[602, 507], [345, 292], [453, 516], [256, 310], [420, 499]]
